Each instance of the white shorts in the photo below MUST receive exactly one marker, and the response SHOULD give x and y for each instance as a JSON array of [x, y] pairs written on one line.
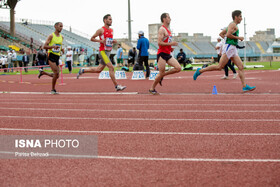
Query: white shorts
[[230, 50]]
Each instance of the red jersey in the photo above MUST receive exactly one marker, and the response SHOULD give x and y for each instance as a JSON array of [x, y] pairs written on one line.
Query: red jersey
[[168, 39], [108, 36]]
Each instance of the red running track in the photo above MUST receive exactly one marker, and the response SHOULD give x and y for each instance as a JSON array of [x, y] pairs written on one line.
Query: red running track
[[143, 140]]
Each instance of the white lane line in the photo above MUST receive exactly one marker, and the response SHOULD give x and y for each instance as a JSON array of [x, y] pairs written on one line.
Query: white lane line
[[145, 133], [136, 93], [140, 104], [144, 111], [140, 119], [188, 159], [73, 93], [154, 158], [141, 99]]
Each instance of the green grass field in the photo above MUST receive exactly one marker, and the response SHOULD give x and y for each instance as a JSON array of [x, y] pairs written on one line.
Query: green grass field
[[34, 70]]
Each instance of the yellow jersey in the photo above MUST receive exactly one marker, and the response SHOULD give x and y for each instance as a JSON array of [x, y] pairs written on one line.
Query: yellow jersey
[[56, 40]]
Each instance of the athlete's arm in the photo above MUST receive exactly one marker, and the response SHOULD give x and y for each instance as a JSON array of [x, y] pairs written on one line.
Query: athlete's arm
[[49, 39], [161, 34], [231, 29], [223, 33], [160, 37], [99, 32]]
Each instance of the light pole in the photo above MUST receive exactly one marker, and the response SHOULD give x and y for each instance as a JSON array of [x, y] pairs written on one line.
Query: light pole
[[129, 22], [244, 43]]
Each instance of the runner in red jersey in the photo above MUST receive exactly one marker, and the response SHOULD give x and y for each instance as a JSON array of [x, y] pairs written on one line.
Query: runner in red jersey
[[106, 44], [167, 39], [165, 44], [108, 37]]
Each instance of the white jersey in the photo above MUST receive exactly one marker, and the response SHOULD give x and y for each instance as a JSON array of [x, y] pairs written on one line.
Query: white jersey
[[219, 45]]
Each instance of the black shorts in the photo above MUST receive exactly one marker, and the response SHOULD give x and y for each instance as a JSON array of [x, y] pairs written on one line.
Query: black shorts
[[54, 58], [164, 56]]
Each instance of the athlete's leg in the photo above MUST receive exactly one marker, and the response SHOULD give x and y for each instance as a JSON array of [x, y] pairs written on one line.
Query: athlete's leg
[[97, 69], [223, 61], [174, 63], [231, 66], [161, 68], [226, 70], [237, 61], [41, 72], [112, 73], [55, 74]]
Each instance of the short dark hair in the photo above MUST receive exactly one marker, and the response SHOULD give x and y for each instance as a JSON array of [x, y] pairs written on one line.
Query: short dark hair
[[57, 23], [236, 13], [164, 15], [106, 17]]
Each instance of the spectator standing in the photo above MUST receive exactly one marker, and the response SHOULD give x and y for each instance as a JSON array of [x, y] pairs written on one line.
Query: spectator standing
[[143, 46], [181, 57], [41, 57], [119, 55], [10, 63], [69, 58], [219, 48], [3, 62], [25, 60], [14, 59]]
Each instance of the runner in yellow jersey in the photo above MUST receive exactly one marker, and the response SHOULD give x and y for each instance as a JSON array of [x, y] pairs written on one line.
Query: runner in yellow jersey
[[54, 47]]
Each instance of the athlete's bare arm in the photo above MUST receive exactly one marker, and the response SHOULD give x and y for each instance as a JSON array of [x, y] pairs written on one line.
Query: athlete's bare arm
[[223, 33], [99, 32], [161, 34], [231, 29]]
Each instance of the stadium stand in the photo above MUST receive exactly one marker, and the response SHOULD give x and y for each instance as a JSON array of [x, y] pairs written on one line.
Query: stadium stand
[[39, 33]]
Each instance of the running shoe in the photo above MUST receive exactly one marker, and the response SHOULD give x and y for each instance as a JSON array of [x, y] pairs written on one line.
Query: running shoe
[[154, 92], [234, 75], [224, 77], [248, 88], [196, 74], [120, 88], [81, 71], [54, 92], [40, 73], [160, 82]]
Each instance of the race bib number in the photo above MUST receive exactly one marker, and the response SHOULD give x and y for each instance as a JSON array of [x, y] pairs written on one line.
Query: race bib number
[[170, 39], [109, 44], [56, 50]]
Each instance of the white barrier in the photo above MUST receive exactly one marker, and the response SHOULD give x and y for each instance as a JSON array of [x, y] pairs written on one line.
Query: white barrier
[[118, 75], [153, 75], [138, 75], [104, 75]]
